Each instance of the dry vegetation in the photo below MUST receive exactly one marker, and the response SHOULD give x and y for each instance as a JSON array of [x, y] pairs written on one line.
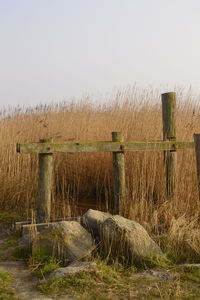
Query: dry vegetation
[[86, 179]]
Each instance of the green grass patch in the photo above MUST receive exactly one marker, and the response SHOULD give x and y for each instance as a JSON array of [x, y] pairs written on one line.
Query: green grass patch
[[79, 282], [193, 276], [116, 283], [157, 261], [47, 268], [42, 263], [6, 291], [91, 285], [108, 273]]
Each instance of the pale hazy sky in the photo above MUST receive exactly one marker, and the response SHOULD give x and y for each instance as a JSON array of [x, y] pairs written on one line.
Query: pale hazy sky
[[51, 50]]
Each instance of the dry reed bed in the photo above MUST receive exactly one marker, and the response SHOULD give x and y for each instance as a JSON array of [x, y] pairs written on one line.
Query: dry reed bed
[[87, 177]]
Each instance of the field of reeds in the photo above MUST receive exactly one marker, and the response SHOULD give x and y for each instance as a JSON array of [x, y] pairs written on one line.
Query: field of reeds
[[84, 180]]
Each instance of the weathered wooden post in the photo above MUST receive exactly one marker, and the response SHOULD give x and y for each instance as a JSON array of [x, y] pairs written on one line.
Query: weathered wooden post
[[197, 150], [119, 176], [169, 134], [43, 204]]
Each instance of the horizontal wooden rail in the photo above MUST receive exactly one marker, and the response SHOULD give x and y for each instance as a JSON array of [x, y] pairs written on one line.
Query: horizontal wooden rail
[[46, 147], [73, 147]]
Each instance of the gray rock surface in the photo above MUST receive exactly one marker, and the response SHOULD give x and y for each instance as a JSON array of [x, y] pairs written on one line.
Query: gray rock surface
[[116, 237], [161, 274], [72, 269], [127, 240], [92, 221], [67, 240]]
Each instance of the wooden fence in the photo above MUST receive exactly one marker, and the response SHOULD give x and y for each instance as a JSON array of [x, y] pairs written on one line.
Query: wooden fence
[[46, 147]]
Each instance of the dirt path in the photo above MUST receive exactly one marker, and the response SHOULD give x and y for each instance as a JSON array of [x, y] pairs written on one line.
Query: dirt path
[[24, 283]]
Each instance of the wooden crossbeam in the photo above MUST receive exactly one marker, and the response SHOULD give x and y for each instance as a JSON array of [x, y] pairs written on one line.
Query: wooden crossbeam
[[73, 147], [46, 147]]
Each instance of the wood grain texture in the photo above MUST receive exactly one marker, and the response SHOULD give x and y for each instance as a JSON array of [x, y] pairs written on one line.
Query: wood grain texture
[[169, 134], [197, 151], [43, 205], [108, 146], [118, 176]]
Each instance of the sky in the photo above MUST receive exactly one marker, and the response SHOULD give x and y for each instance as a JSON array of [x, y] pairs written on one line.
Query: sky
[[55, 50]]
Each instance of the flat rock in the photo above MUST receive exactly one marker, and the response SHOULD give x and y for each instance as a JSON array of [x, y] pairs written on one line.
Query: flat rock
[[73, 268], [164, 275]]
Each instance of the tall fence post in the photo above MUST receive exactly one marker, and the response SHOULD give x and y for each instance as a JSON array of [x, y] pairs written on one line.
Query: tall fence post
[[169, 134], [119, 176], [43, 208], [197, 150]]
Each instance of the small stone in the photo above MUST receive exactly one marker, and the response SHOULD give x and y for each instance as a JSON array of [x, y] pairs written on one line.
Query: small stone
[[160, 274], [74, 268]]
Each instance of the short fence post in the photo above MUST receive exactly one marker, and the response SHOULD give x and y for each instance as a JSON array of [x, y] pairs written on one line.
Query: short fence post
[[119, 176], [43, 207], [169, 134], [197, 150]]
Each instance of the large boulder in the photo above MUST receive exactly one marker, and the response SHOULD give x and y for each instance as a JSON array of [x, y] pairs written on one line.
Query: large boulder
[[67, 240], [116, 237], [92, 221], [127, 241]]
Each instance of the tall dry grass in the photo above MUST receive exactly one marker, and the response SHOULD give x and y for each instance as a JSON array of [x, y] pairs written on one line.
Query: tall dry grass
[[86, 178]]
